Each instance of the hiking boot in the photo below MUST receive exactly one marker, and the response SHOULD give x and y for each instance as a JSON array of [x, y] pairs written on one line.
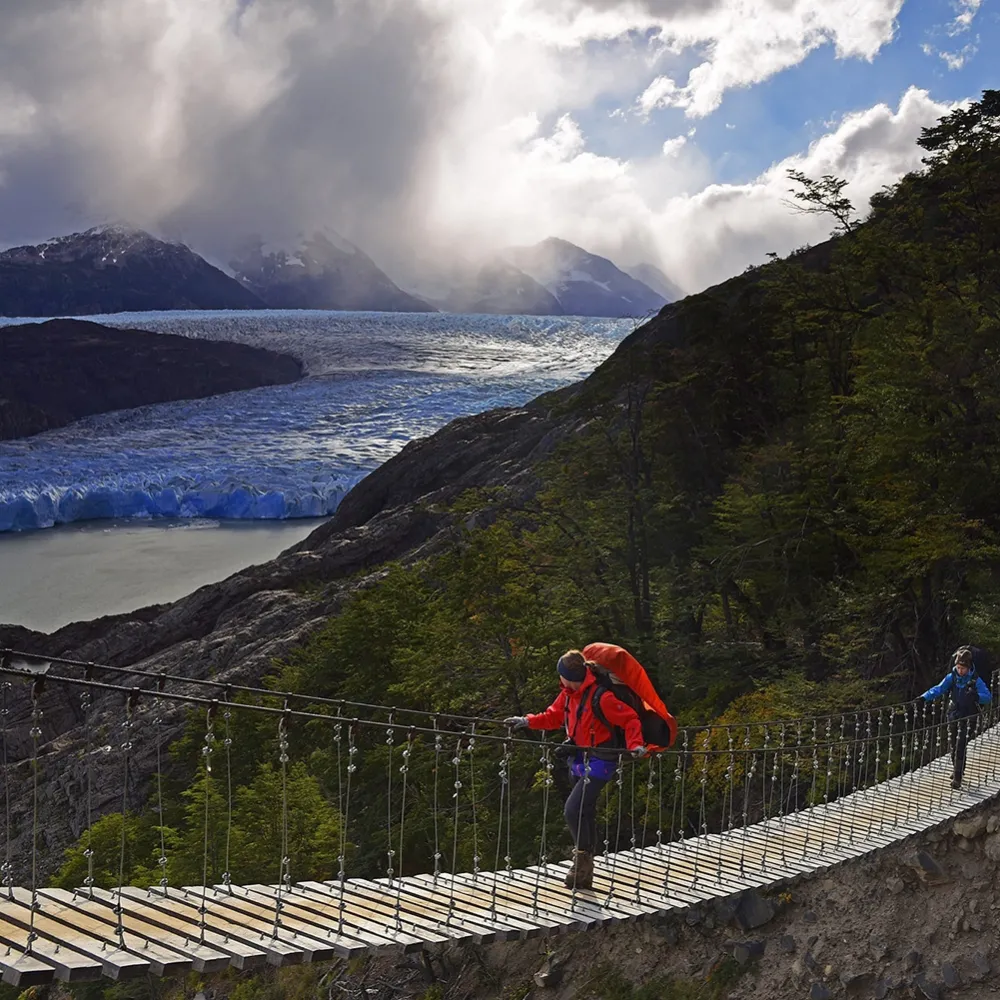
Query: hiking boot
[[581, 872], [956, 781]]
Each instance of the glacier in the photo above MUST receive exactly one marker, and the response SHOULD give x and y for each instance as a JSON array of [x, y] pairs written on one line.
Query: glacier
[[374, 381]]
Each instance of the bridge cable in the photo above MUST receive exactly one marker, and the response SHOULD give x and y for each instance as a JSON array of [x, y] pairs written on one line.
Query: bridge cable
[[404, 770], [475, 814], [645, 821], [352, 752], [36, 732], [585, 778], [619, 783], [749, 773], [227, 743], [504, 768], [389, 850], [702, 818], [438, 748], [126, 751], [207, 749], [162, 859], [457, 788], [547, 782], [284, 869], [7, 868], [88, 851]]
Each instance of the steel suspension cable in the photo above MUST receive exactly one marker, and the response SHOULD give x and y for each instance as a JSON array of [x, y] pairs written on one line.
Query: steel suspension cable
[[207, 749], [284, 870], [35, 733], [126, 749], [7, 868], [404, 770], [227, 743]]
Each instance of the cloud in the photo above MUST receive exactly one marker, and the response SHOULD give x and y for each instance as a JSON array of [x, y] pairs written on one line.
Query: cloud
[[966, 11], [672, 147], [204, 116], [423, 130], [704, 237], [747, 41]]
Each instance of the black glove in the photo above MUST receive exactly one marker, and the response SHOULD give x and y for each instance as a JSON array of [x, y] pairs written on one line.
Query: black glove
[[516, 722]]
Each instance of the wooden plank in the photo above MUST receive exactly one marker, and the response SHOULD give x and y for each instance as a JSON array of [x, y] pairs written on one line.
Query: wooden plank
[[115, 962], [375, 929], [422, 907], [450, 897], [312, 942], [101, 906], [374, 899], [18, 968], [281, 949], [520, 898], [550, 882], [160, 912], [70, 966], [74, 916]]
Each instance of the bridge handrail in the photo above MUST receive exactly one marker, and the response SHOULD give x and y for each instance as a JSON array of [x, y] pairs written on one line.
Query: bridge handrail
[[162, 677]]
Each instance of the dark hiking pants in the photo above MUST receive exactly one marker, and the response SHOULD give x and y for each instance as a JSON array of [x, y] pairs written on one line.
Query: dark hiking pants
[[960, 731], [581, 812]]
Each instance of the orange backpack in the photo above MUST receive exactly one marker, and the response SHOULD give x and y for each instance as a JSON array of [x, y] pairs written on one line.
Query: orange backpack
[[621, 673]]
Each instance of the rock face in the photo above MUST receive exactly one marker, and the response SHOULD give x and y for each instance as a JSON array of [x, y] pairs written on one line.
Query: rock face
[[323, 271], [583, 283], [56, 372], [113, 269]]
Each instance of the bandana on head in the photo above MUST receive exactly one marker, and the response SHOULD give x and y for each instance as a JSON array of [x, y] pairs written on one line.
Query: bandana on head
[[572, 672]]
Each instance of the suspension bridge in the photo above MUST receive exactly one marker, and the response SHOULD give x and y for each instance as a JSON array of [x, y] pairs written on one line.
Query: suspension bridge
[[728, 808]]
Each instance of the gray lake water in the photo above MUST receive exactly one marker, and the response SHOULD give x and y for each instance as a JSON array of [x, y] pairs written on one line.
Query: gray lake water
[[81, 571]]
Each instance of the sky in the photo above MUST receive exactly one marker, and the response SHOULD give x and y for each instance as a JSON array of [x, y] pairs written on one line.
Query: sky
[[434, 133]]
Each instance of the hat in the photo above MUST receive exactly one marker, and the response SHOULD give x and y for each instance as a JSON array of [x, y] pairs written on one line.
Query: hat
[[572, 667]]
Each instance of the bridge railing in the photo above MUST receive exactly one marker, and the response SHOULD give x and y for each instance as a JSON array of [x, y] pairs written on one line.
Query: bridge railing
[[349, 790]]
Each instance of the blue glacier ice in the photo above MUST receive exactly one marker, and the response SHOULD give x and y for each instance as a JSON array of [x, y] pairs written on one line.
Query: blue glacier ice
[[374, 382]]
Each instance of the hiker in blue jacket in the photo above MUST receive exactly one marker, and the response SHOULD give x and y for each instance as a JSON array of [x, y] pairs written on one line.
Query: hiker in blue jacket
[[968, 691]]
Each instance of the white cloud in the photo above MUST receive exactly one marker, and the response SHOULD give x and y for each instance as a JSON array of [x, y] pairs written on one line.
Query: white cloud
[[672, 147], [966, 14], [704, 237]]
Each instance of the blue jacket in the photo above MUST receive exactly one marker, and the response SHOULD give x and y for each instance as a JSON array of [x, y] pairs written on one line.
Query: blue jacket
[[965, 691]]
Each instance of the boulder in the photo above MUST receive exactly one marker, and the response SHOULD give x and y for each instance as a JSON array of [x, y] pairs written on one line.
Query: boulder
[[970, 827], [753, 910]]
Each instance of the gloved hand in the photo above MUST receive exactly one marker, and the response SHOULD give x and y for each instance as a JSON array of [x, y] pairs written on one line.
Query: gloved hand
[[639, 752], [516, 722]]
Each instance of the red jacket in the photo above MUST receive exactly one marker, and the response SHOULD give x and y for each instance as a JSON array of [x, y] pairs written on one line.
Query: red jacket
[[584, 728]]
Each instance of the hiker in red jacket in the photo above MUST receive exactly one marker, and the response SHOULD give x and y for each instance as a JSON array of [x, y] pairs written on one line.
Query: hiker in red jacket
[[574, 710]]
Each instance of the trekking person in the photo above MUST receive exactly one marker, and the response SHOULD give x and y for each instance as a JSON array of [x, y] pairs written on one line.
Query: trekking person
[[589, 724], [968, 691]]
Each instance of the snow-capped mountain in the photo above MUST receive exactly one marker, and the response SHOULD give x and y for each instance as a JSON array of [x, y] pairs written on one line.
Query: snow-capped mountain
[[652, 276], [583, 283], [319, 271], [113, 268], [501, 289]]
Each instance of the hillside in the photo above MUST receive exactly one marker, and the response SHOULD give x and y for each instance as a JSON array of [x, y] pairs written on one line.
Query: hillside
[[56, 372], [113, 269]]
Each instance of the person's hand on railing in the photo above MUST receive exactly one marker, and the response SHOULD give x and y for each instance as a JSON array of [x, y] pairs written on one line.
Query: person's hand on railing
[[639, 752], [516, 722]]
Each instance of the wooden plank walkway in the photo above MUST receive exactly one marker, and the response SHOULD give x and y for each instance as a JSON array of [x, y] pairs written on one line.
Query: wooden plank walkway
[[79, 936]]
